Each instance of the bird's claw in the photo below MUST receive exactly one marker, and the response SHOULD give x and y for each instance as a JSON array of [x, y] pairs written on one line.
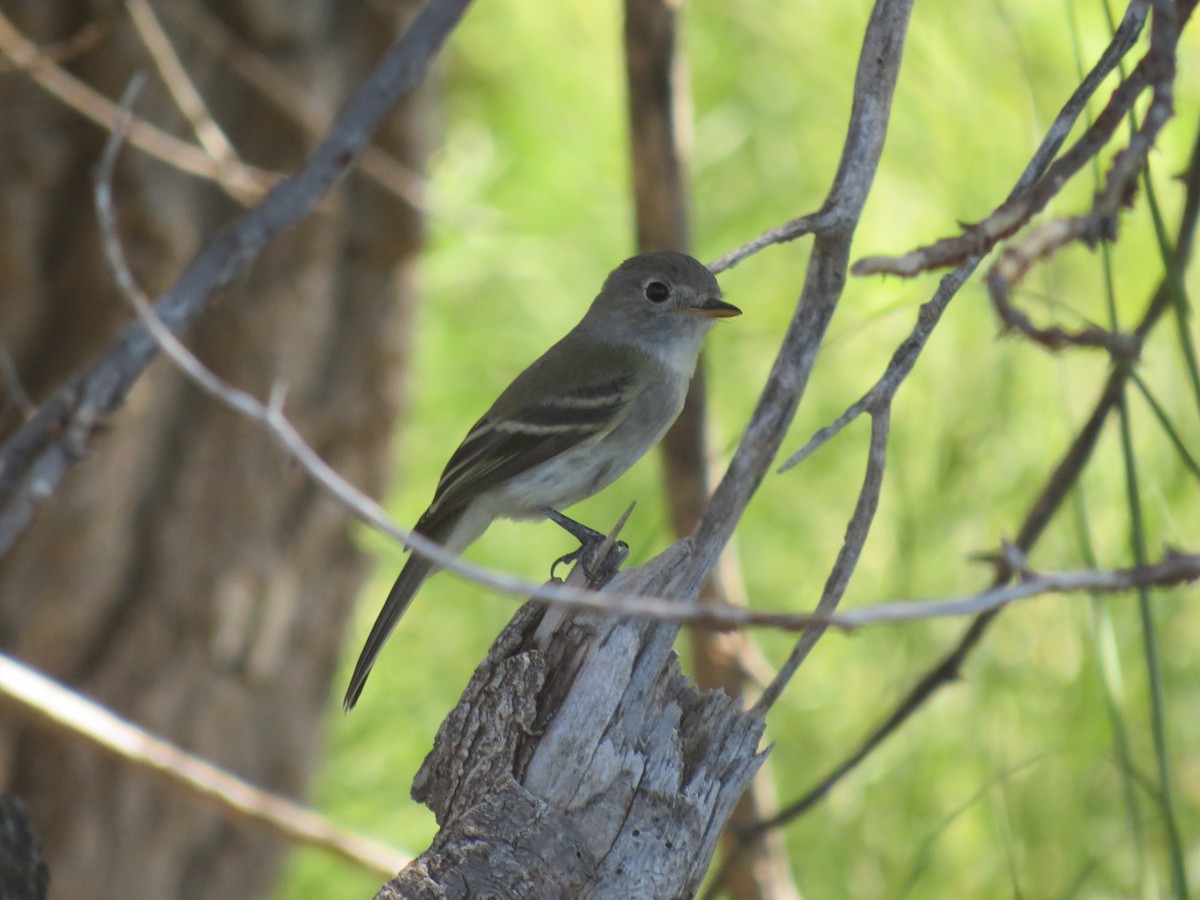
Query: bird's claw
[[595, 569], [590, 544]]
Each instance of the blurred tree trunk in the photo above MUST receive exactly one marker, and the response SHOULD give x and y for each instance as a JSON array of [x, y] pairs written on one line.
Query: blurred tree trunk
[[184, 574], [659, 129]]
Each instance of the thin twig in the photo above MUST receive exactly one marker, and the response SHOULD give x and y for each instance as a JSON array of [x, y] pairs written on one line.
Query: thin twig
[[1100, 223], [906, 355], [271, 417], [1041, 243], [179, 84], [1154, 70], [53, 704], [1059, 483], [847, 558], [35, 459], [781, 234], [242, 182], [271, 83], [1174, 569], [875, 81]]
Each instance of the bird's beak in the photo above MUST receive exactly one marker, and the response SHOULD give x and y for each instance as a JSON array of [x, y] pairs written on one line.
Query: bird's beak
[[716, 308]]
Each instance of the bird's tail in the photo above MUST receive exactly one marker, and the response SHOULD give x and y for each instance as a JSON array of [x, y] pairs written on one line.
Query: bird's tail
[[409, 581]]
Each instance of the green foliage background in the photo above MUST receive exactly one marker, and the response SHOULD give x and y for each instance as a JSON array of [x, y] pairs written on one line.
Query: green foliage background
[[1006, 783]]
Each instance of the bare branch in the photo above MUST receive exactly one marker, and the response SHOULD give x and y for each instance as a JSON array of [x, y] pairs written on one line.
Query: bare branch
[[781, 234], [1041, 243], [1100, 224], [875, 82], [906, 355], [175, 77], [1060, 482], [1175, 569], [34, 460], [263, 76], [50, 703], [1156, 69], [244, 183], [847, 558]]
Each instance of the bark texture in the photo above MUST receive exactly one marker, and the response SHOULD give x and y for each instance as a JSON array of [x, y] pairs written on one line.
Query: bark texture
[[23, 874], [184, 574], [580, 762]]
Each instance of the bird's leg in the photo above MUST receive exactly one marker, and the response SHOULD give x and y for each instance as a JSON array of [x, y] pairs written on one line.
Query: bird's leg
[[590, 543]]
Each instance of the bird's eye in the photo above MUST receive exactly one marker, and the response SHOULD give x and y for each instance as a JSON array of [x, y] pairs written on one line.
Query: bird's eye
[[657, 292]]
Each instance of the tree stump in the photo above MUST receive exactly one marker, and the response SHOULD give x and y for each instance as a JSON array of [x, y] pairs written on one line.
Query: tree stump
[[580, 762]]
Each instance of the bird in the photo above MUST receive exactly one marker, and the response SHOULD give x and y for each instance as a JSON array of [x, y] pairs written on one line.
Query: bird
[[576, 419]]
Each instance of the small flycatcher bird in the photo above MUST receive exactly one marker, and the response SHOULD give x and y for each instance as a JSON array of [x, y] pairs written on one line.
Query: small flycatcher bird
[[572, 422]]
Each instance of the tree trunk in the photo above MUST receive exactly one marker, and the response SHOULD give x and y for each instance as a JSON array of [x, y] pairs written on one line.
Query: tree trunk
[[184, 574], [580, 762]]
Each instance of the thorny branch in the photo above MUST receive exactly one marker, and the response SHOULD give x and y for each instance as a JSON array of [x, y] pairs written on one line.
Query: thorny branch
[[906, 355], [1041, 243], [1100, 224], [1155, 70], [1058, 485]]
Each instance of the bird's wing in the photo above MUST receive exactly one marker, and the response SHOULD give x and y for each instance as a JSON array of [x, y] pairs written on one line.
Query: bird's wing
[[516, 435]]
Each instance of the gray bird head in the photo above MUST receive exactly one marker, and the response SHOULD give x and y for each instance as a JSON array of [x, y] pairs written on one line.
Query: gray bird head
[[656, 295]]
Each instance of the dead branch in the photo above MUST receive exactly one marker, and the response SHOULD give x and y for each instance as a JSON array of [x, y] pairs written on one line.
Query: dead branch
[[243, 183], [608, 773], [263, 76], [1058, 485], [875, 81], [906, 355], [1155, 70], [34, 460], [1041, 243], [51, 704]]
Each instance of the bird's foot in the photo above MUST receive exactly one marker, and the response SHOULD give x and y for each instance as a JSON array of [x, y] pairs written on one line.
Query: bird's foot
[[599, 557]]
